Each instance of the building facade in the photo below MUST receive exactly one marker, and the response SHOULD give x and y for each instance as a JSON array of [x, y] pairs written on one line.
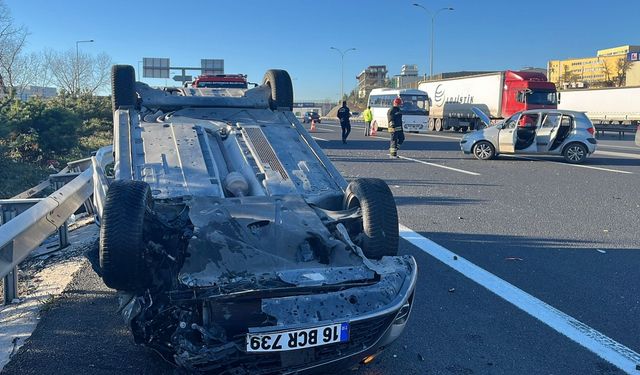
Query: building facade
[[372, 77], [610, 67], [408, 77]]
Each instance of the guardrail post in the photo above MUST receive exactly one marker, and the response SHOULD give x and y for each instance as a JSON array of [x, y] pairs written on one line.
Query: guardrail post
[[11, 279], [63, 231]]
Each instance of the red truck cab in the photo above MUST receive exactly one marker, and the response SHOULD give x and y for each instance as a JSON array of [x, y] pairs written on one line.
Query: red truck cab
[[527, 90], [221, 81]]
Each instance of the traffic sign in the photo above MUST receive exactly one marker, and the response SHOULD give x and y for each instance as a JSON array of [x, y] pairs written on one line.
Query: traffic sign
[[155, 67]]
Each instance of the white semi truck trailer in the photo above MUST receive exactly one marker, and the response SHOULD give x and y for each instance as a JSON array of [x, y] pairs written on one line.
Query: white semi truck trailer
[[608, 106]]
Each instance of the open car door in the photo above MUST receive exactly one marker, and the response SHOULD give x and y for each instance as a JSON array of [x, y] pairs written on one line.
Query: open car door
[[508, 135], [548, 131]]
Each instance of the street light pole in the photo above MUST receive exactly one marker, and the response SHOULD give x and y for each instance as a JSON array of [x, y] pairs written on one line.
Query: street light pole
[[342, 53], [433, 21], [77, 88]]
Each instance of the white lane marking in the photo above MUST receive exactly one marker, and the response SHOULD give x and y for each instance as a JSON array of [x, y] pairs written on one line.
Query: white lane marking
[[319, 139], [618, 154], [570, 165], [603, 346], [440, 166]]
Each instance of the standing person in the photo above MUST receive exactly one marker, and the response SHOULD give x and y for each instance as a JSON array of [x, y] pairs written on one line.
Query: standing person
[[368, 117], [395, 127], [343, 115]]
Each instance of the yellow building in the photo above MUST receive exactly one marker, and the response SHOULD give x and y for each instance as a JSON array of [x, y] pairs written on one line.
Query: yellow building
[[610, 67]]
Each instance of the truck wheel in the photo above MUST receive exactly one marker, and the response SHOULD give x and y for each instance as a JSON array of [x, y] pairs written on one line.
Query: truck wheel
[[432, 125], [575, 153], [464, 129], [439, 124], [484, 150], [379, 216], [122, 235], [281, 89], [123, 81]]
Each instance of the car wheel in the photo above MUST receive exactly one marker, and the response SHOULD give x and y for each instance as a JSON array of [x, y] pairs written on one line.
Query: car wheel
[[380, 234], [575, 153], [439, 124], [123, 81], [281, 88], [121, 235], [484, 150], [431, 126]]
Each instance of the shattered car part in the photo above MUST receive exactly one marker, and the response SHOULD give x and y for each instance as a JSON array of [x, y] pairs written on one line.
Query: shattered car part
[[236, 245]]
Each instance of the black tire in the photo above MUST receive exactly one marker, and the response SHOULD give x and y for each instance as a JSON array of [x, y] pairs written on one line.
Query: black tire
[[281, 89], [484, 150], [464, 129], [122, 241], [575, 153], [432, 124], [439, 124], [123, 82], [379, 216]]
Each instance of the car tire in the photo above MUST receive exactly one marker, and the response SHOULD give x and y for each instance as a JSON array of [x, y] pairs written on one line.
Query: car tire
[[484, 150], [123, 82], [122, 243], [380, 233], [464, 129], [432, 125], [281, 89], [438, 127], [575, 153]]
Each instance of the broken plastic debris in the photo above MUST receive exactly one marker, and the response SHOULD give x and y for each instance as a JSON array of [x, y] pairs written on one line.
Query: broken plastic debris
[[421, 357], [512, 258], [601, 251], [606, 230], [460, 218], [395, 356], [451, 290]]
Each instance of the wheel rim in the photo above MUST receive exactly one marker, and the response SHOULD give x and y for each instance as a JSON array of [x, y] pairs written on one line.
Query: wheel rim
[[482, 151], [575, 153]]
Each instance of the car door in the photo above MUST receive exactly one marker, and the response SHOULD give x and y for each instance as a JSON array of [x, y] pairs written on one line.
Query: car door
[[508, 135], [547, 131]]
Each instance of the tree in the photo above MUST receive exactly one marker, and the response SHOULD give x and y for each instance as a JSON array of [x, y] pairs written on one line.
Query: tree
[[79, 73], [12, 41], [622, 67]]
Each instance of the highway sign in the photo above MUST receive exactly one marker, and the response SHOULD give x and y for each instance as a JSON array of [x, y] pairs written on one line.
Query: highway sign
[[155, 67]]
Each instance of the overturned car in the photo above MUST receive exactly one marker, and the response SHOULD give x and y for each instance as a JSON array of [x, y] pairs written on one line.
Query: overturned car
[[237, 245]]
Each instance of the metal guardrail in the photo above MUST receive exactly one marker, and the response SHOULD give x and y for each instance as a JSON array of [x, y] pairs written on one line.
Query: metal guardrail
[[28, 222]]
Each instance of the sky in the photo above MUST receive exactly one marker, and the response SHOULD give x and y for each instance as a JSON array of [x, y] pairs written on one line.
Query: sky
[[296, 35]]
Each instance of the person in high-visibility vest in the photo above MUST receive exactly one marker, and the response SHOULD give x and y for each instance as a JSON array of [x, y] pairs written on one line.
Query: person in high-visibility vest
[[394, 116], [368, 117]]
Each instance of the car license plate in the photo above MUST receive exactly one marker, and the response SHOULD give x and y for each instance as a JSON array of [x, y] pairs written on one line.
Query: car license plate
[[298, 339]]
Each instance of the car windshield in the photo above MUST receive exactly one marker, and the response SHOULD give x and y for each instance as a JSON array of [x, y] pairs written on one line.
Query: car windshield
[[414, 103], [542, 97]]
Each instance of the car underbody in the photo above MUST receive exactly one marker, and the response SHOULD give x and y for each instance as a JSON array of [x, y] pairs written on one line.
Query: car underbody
[[236, 245]]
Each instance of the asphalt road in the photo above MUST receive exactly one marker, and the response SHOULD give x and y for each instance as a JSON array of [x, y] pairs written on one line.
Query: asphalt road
[[567, 235]]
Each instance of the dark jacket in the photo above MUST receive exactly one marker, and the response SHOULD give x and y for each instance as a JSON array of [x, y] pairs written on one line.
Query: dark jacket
[[395, 119], [343, 114]]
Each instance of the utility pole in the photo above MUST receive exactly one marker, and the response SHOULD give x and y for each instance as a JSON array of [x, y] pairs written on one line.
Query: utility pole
[[433, 21], [342, 53]]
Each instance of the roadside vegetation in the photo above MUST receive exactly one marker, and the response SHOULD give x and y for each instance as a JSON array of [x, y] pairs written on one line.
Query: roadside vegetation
[[38, 137]]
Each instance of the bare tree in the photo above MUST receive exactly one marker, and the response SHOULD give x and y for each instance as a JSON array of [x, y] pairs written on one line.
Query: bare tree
[[79, 73], [622, 67], [12, 42]]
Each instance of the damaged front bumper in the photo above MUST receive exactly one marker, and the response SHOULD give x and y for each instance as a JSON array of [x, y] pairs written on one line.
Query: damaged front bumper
[[206, 329]]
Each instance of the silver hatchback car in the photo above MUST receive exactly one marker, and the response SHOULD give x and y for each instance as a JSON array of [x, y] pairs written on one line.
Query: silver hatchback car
[[545, 131]]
